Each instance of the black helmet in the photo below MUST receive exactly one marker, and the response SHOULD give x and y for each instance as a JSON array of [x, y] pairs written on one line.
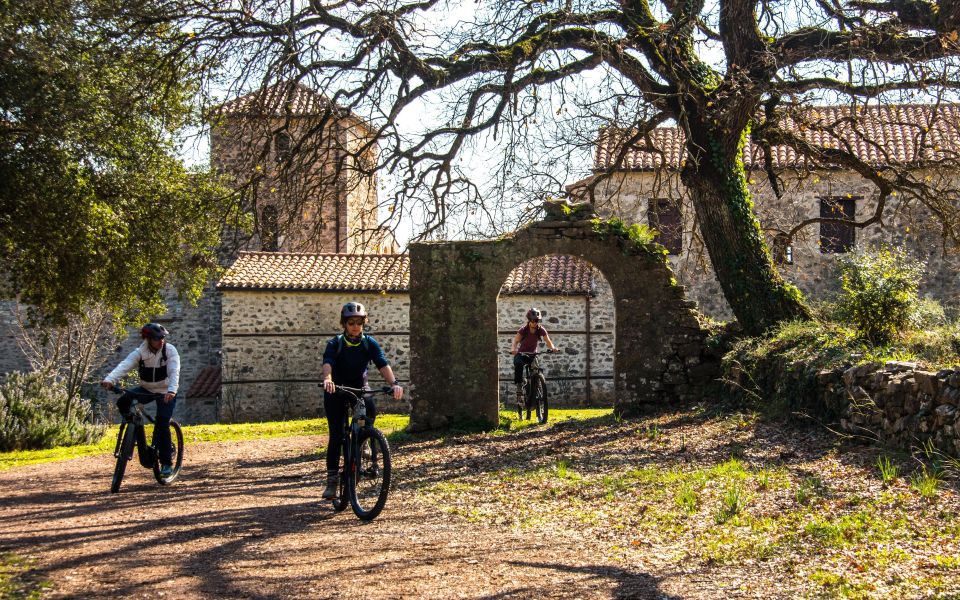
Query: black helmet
[[534, 315], [352, 309], [153, 331]]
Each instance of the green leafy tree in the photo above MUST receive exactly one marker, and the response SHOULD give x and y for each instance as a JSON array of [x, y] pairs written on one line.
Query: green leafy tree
[[95, 206], [721, 71]]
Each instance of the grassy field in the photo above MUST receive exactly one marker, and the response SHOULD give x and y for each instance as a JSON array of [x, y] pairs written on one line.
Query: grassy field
[[194, 434]]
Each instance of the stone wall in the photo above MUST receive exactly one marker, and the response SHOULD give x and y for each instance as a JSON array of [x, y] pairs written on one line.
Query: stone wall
[[897, 404], [628, 195], [273, 343], [658, 348]]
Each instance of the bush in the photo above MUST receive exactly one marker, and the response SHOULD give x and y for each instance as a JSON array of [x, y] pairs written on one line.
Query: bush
[[33, 415], [879, 294]]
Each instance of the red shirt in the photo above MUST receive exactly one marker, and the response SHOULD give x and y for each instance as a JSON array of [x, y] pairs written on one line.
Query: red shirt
[[530, 339]]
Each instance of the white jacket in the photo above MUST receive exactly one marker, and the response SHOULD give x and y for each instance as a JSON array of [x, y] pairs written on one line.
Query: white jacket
[[151, 359]]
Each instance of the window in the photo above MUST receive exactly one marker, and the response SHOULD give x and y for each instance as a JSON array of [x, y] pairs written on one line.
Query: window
[[269, 230], [664, 216], [838, 237], [281, 146], [782, 251]]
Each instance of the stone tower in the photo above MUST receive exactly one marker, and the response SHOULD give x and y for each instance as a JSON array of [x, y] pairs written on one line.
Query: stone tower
[[306, 171]]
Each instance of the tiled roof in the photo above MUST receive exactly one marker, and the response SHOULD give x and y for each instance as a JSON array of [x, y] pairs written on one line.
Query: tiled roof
[[553, 274], [207, 383], [883, 135], [326, 272], [389, 272], [279, 99]]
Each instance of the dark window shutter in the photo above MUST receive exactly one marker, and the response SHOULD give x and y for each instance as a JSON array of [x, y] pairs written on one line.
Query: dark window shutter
[[269, 230], [664, 216], [837, 237], [281, 146]]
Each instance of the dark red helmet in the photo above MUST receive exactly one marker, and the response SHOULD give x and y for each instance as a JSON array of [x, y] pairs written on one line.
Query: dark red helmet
[[153, 331], [534, 315], [352, 309]]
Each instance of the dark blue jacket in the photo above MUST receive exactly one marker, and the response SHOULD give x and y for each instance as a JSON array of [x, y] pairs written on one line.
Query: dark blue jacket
[[349, 363]]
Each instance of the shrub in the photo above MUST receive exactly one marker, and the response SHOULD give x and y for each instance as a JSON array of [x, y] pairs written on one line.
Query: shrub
[[34, 415], [879, 294]]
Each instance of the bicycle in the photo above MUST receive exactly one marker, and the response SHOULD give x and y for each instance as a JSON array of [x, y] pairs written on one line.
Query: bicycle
[[364, 461], [534, 388], [132, 429]]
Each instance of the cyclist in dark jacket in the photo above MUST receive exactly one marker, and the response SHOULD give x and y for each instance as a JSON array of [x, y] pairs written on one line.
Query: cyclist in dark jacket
[[345, 362]]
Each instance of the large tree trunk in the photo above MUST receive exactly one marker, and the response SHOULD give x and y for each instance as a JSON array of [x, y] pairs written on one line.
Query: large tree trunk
[[714, 175]]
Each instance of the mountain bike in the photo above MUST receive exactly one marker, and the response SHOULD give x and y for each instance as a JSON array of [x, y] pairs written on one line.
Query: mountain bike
[[132, 431], [534, 388], [364, 461]]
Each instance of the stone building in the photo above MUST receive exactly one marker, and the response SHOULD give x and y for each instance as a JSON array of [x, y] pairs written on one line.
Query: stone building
[[307, 170], [643, 186], [279, 310]]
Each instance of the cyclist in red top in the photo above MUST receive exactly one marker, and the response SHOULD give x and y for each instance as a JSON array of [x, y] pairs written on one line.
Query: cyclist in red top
[[526, 341]]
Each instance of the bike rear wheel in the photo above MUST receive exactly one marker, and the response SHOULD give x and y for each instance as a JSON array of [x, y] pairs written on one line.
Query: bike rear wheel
[[124, 454], [370, 483], [176, 436], [538, 398]]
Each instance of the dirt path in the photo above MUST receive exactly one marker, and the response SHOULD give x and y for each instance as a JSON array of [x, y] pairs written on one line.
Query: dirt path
[[246, 521]]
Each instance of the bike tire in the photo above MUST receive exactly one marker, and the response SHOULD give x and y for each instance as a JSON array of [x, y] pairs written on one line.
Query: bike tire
[[176, 435], [369, 484], [123, 456], [528, 396], [538, 398]]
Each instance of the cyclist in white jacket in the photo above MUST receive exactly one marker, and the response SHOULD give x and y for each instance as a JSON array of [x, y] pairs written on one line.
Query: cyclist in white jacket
[[158, 364]]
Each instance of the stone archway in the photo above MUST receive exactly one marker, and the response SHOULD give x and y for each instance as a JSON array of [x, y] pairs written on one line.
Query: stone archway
[[659, 354]]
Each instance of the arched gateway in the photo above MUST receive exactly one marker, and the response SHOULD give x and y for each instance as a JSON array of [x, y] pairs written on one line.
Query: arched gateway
[[659, 351]]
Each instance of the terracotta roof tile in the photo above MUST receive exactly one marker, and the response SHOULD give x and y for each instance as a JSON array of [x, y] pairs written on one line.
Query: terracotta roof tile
[[320, 272], [206, 385], [883, 135], [280, 99], [553, 274]]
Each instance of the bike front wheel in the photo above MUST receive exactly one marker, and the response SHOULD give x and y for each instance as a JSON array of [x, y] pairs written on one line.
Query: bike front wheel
[[370, 477], [176, 437], [124, 453], [538, 398]]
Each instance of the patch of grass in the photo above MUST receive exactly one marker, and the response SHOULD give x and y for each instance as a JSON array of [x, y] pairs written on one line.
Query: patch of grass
[[926, 482], [838, 586], [15, 580], [732, 503], [949, 562], [688, 499], [888, 471], [809, 489], [194, 434]]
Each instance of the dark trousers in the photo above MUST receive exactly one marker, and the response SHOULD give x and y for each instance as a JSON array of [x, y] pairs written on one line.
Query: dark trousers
[[337, 406], [161, 426], [519, 362]]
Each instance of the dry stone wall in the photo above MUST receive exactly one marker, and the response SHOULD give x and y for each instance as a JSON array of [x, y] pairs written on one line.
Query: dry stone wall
[[897, 404]]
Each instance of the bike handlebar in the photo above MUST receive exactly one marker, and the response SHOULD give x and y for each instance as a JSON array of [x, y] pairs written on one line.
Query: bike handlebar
[[539, 353]]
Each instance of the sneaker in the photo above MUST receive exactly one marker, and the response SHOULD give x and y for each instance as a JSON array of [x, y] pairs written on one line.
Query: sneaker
[[330, 492], [166, 471]]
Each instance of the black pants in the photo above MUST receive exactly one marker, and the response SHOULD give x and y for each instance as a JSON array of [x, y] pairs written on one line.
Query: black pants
[[337, 407], [519, 362], [161, 426]]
